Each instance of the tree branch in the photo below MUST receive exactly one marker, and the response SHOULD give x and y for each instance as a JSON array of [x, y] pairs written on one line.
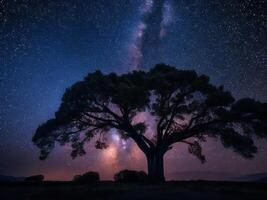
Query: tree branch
[[190, 132], [174, 110]]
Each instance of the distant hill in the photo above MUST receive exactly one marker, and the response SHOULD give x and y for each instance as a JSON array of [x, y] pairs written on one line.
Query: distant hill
[[5, 178], [262, 177], [199, 175], [215, 176], [185, 176]]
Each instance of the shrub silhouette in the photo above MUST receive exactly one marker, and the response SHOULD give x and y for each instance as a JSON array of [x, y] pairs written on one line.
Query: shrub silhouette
[[35, 179], [130, 176], [89, 177]]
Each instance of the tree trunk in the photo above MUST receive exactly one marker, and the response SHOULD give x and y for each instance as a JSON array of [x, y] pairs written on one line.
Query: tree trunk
[[155, 165]]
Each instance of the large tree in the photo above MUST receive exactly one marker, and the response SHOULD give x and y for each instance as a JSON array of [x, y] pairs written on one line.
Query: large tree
[[184, 107]]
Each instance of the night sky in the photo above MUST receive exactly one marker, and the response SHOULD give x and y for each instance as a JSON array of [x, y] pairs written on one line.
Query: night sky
[[47, 45]]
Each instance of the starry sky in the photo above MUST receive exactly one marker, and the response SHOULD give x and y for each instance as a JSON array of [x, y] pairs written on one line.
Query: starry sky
[[47, 45]]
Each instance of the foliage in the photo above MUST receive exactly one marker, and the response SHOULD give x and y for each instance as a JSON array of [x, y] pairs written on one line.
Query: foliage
[[185, 106], [35, 179], [127, 176], [88, 177]]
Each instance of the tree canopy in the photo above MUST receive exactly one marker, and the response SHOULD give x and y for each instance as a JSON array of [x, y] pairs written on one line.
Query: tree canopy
[[183, 104]]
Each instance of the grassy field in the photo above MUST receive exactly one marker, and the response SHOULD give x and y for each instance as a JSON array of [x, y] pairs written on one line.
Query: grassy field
[[109, 190]]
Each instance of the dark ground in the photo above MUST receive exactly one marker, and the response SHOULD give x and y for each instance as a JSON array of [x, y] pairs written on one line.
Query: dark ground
[[109, 190]]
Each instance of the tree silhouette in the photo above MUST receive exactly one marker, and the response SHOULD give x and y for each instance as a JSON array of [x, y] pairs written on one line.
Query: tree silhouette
[[184, 106]]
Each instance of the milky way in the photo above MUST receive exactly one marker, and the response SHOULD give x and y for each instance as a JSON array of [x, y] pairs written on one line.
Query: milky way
[[155, 19], [47, 45]]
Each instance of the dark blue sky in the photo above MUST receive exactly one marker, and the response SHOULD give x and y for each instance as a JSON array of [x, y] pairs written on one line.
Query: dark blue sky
[[47, 45]]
